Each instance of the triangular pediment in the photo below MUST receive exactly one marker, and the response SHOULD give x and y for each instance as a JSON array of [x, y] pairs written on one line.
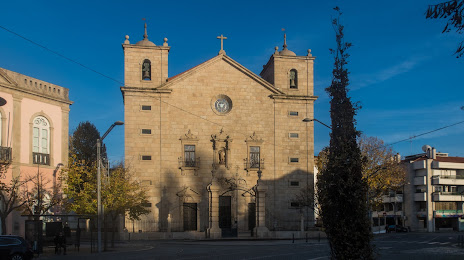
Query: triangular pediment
[[188, 194], [171, 82], [5, 79]]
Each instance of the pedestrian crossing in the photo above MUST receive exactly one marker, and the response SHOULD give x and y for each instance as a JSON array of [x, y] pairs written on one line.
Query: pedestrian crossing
[[421, 242]]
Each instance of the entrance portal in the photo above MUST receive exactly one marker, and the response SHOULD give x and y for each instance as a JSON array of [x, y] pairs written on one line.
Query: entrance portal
[[225, 216], [251, 216], [190, 216]]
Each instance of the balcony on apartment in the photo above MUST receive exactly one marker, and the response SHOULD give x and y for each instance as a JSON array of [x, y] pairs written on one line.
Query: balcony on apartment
[[448, 196], [420, 180], [392, 198], [5, 155], [420, 196], [448, 180]]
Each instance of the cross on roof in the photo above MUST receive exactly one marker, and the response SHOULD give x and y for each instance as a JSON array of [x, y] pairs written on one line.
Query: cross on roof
[[222, 44]]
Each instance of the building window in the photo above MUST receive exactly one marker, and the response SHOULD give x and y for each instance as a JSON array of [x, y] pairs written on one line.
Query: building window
[[294, 183], [294, 204], [293, 135], [146, 157], [146, 204], [293, 113], [293, 79], [189, 155], [144, 107], [254, 157], [146, 131], [146, 70], [41, 141], [294, 160]]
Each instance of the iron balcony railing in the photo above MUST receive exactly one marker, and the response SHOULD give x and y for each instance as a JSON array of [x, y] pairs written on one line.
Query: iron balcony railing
[[458, 177], [41, 158], [189, 163], [448, 193], [5, 155], [253, 164]]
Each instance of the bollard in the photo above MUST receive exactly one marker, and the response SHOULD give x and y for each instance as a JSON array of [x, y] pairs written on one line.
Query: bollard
[[293, 240], [306, 237], [319, 239]]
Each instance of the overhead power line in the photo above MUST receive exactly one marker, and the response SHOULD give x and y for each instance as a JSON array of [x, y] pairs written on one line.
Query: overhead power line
[[118, 81], [59, 54], [429, 132]]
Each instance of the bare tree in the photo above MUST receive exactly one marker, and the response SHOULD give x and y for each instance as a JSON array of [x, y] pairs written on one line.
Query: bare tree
[[40, 197], [10, 195]]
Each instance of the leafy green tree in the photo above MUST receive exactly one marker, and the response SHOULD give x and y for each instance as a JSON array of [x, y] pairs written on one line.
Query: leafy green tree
[[342, 192], [453, 11], [121, 192]]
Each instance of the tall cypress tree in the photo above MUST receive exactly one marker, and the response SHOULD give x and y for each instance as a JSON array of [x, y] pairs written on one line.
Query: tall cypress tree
[[342, 193]]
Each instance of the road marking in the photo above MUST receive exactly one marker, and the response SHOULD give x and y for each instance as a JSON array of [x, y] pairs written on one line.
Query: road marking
[[322, 257], [445, 243], [433, 243]]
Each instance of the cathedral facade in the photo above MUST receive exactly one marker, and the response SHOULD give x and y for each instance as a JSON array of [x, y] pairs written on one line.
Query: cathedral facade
[[218, 148]]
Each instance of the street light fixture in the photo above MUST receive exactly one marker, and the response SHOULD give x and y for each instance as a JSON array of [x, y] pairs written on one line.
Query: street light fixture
[[99, 204], [306, 120]]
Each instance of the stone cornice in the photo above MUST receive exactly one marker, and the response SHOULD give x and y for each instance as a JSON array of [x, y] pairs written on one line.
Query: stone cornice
[[25, 84], [134, 46], [294, 97], [146, 90]]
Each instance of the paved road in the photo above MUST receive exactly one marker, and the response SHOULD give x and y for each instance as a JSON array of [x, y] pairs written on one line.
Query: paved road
[[389, 246]]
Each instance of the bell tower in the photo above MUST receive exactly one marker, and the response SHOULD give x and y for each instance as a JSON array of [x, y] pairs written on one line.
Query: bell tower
[[290, 73], [145, 64]]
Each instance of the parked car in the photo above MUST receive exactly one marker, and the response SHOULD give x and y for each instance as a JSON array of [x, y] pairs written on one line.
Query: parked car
[[396, 228], [15, 248]]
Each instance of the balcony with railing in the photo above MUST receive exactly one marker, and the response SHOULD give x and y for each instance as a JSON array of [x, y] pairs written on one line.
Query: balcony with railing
[[41, 158], [392, 198], [420, 180], [190, 163], [448, 180], [253, 165], [448, 196], [420, 196], [5, 155]]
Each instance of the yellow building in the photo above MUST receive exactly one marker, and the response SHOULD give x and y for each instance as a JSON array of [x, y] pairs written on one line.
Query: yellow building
[[219, 148]]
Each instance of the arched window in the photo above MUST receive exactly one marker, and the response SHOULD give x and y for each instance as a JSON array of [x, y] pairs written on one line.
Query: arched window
[[41, 135], [146, 70], [293, 79]]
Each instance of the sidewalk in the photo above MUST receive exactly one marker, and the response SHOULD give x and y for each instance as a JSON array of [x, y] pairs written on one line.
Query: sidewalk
[[85, 250]]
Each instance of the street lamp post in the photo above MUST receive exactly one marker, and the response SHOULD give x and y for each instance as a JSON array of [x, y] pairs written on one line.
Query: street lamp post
[[99, 204], [307, 120]]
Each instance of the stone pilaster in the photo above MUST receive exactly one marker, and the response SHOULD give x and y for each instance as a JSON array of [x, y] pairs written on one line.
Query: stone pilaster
[[16, 132], [214, 230], [261, 230], [64, 135]]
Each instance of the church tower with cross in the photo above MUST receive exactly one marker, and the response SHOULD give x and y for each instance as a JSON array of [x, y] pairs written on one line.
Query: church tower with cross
[[219, 149]]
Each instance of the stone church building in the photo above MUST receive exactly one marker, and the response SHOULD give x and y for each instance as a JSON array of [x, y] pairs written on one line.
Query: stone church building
[[218, 148]]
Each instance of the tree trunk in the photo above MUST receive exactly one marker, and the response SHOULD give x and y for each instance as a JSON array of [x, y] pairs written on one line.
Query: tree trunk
[[3, 219], [105, 243]]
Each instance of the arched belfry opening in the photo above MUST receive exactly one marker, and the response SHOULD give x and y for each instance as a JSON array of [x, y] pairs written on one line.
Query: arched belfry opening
[[293, 77], [146, 70]]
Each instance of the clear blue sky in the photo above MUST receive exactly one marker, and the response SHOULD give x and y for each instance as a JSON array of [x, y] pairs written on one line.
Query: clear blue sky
[[403, 71]]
